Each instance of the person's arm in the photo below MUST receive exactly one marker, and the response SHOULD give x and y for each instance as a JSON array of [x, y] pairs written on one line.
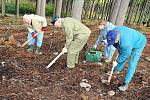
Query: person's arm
[[100, 38], [44, 22], [30, 29], [124, 53], [69, 35]]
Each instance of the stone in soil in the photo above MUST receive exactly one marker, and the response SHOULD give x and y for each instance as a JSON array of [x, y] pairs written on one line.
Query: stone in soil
[[111, 93], [55, 53]]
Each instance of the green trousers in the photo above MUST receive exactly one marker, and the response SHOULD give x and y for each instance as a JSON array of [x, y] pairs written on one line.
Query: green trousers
[[74, 50]]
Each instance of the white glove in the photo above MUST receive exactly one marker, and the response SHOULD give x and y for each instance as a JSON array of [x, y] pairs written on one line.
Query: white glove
[[104, 42], [95, 46], [64, 50], [115, 63]]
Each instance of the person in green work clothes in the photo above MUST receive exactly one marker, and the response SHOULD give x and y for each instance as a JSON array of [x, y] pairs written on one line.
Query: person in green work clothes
[[76, 34]]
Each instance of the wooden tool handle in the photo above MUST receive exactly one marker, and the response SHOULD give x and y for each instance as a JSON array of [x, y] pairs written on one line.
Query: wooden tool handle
[[52, 62], [29, 40], [109, 78]]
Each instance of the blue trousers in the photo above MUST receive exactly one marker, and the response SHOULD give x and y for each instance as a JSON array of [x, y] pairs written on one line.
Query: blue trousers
[[109, 51], [39, 38], [132, 65]]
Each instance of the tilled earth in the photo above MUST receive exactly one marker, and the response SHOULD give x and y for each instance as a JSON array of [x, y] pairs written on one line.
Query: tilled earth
[[23, 75]]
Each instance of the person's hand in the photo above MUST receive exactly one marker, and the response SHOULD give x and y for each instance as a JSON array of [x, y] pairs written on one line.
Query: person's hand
[[115, 63], [33, 35], [43, 29], [64, 50], [95, 46], [104, 42]]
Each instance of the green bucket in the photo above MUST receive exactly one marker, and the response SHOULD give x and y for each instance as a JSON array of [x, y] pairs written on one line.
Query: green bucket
[[93, 55]]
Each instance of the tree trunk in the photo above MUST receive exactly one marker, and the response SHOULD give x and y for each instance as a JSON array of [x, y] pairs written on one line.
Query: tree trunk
[[136, 13], [3, 7], [86, 9], [69, 8], [1, 3], [64, 4], [58, 7], [92, 9], [38, 7], [122, 12], [17, 8], [141, 11], [113, 16], [43, 4], [130, 7], [54, 12], [145, 11], [77, 9]]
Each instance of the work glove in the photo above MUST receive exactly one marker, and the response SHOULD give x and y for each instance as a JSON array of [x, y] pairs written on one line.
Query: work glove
[[33, 35], [95, 46], [43, 29], [104, 42], [64, 50], [115, 63]]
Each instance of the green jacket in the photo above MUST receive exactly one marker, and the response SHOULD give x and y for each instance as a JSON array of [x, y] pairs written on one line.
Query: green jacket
[[74, 29]]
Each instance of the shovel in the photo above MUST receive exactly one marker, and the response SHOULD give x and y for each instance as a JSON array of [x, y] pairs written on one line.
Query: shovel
[[29, 40], [52, 62], [109, 78]]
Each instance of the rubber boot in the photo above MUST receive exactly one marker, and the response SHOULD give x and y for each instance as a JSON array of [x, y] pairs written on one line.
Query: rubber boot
[[38, 51], [30, 49]]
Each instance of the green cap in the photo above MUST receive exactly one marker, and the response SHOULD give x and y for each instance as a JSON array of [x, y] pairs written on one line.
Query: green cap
[[54, 19]]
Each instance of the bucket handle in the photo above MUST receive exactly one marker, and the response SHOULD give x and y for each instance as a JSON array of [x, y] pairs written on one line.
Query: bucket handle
[[92, 52]]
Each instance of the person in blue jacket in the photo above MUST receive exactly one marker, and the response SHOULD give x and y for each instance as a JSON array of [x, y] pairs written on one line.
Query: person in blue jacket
[[101, 39], [130, 44]]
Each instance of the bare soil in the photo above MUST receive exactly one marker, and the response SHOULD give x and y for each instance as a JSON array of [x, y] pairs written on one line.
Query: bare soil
[[23, 75]]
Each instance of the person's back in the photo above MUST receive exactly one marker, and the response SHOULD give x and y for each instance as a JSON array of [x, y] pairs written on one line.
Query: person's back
[[77, 26], [130, 37], [109, 26], [38, 22]]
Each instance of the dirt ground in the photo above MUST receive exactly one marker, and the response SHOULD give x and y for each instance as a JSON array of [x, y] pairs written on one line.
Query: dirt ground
[[23, 75]]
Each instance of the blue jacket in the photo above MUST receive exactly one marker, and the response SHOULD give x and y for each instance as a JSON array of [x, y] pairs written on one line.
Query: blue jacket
[[129, 39], [102, 36]]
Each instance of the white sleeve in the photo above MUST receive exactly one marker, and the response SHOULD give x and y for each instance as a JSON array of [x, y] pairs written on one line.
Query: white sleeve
[[44, 22], [30, 29]]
